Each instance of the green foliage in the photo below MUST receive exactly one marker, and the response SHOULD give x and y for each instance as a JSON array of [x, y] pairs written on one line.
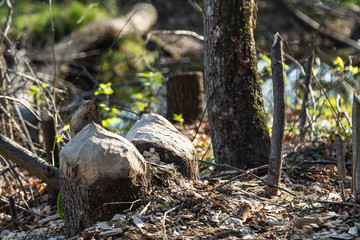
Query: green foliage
[[151, 83], [179, 118], [38, 92], [340, 78], [61, 137], [161, 206], [129, 56], [291, 167], [59, 206], [340, 67], [104, 88], [33, 18], [140, 98]]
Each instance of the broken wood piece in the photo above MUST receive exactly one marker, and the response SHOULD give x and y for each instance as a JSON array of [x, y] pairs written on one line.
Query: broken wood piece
[[49, 132], [87, 112]]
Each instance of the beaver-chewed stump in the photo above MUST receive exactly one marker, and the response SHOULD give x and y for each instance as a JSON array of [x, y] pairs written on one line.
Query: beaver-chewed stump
[[98, 168], [154, 131]]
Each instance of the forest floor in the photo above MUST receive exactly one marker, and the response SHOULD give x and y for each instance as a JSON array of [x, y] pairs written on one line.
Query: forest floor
[[224, 204]]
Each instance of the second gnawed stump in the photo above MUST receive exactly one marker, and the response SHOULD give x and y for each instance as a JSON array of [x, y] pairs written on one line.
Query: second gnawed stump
[[99, 167], [154, 131]]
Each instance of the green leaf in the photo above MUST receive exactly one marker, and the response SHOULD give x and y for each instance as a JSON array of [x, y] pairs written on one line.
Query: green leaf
[[59, 206], [339, 63], [162, 206], [66, 127], [177, 117], [138, 96], [59, 138], [104, 88]]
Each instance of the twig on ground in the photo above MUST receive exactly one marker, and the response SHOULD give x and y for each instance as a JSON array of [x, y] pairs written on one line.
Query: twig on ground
[[22, 208], [5, 170], [117, 203], [164, 218], [338, 203], [15, 175], [243, 174], [144, 209], [251, 174]]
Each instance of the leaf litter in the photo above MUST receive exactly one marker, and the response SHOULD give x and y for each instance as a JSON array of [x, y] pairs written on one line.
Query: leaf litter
[[210, 208]]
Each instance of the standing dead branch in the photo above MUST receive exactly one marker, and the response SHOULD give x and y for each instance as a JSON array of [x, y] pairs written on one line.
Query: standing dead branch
[[340, 163], [356, 146], [275, 164], [307, 83]]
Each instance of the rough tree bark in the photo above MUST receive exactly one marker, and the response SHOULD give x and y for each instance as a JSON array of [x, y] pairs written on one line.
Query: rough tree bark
[[232, 87]]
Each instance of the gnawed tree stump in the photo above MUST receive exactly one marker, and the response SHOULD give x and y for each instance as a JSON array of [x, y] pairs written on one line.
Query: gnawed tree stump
[[154, 131], [185, 95], [98, 167]]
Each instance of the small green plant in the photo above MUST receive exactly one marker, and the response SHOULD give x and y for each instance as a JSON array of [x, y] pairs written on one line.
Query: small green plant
[[38, 92], [105, 89], [179, 119], [61, 136], [291, 167], [59, 206]]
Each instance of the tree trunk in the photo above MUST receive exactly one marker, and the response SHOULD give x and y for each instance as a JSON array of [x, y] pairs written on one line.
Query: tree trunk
[[232, 86], [185, 95]]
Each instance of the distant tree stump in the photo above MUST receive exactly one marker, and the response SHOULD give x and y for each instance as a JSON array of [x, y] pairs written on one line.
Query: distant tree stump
[[185, 95]]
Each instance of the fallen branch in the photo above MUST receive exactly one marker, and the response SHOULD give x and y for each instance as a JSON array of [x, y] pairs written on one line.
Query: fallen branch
[[338, 203], [30, 162]]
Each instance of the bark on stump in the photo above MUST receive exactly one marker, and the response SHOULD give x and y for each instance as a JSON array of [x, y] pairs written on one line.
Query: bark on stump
[[98, 167], [185, 95]]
